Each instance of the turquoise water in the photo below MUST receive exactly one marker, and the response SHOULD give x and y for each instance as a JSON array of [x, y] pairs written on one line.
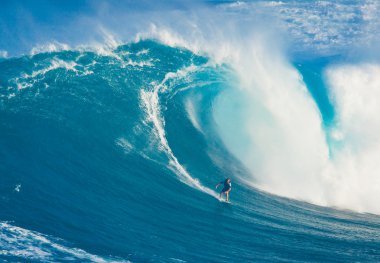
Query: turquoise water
[[114, 157], [118, 118]]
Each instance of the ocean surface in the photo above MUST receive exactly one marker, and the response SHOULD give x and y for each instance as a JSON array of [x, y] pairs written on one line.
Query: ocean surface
[[111, 153]]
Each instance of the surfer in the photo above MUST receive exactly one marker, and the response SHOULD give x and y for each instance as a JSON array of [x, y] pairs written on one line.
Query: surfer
[[226, 188]]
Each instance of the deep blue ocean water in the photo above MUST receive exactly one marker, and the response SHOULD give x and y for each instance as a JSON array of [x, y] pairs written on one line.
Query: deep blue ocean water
[[92, 173], [114, 157]]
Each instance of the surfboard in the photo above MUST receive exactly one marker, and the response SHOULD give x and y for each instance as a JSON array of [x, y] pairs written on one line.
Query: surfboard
[[224, 201]]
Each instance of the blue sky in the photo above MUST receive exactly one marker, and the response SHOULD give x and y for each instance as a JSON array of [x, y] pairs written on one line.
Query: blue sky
[[24, 24]]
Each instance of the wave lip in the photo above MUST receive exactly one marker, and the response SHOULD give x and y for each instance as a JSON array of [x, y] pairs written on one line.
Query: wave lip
[[273, 118], [151, 104]]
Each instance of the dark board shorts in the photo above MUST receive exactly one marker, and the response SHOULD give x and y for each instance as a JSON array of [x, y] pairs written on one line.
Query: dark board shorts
[[225, 189]]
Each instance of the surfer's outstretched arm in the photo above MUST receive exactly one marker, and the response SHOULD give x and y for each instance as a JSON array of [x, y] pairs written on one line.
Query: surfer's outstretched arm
[[217, 185]]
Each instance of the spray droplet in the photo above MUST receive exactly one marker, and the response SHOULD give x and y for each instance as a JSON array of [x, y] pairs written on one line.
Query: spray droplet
[[18, 188]]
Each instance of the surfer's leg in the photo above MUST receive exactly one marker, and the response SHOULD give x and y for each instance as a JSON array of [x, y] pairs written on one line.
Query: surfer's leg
[[227, 195]]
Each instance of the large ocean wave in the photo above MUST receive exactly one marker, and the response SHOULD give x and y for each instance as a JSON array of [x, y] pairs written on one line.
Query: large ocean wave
[[111, 152]]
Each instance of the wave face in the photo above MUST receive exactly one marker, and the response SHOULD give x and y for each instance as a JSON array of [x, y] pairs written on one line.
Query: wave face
[[111, 153], [114, 157]]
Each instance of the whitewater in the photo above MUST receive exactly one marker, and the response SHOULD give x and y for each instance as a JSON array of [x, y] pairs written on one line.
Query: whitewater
[[111, 145]]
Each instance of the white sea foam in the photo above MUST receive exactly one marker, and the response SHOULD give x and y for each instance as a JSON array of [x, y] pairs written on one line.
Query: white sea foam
[[50, 47], [54, 64], [353, 174], [142, 52], [125, 144], [18, 188], [21, 85], [192, 113], [31, 245], [147, 63], [28, 80], [272, 124], [3, 54], [151, 104]]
